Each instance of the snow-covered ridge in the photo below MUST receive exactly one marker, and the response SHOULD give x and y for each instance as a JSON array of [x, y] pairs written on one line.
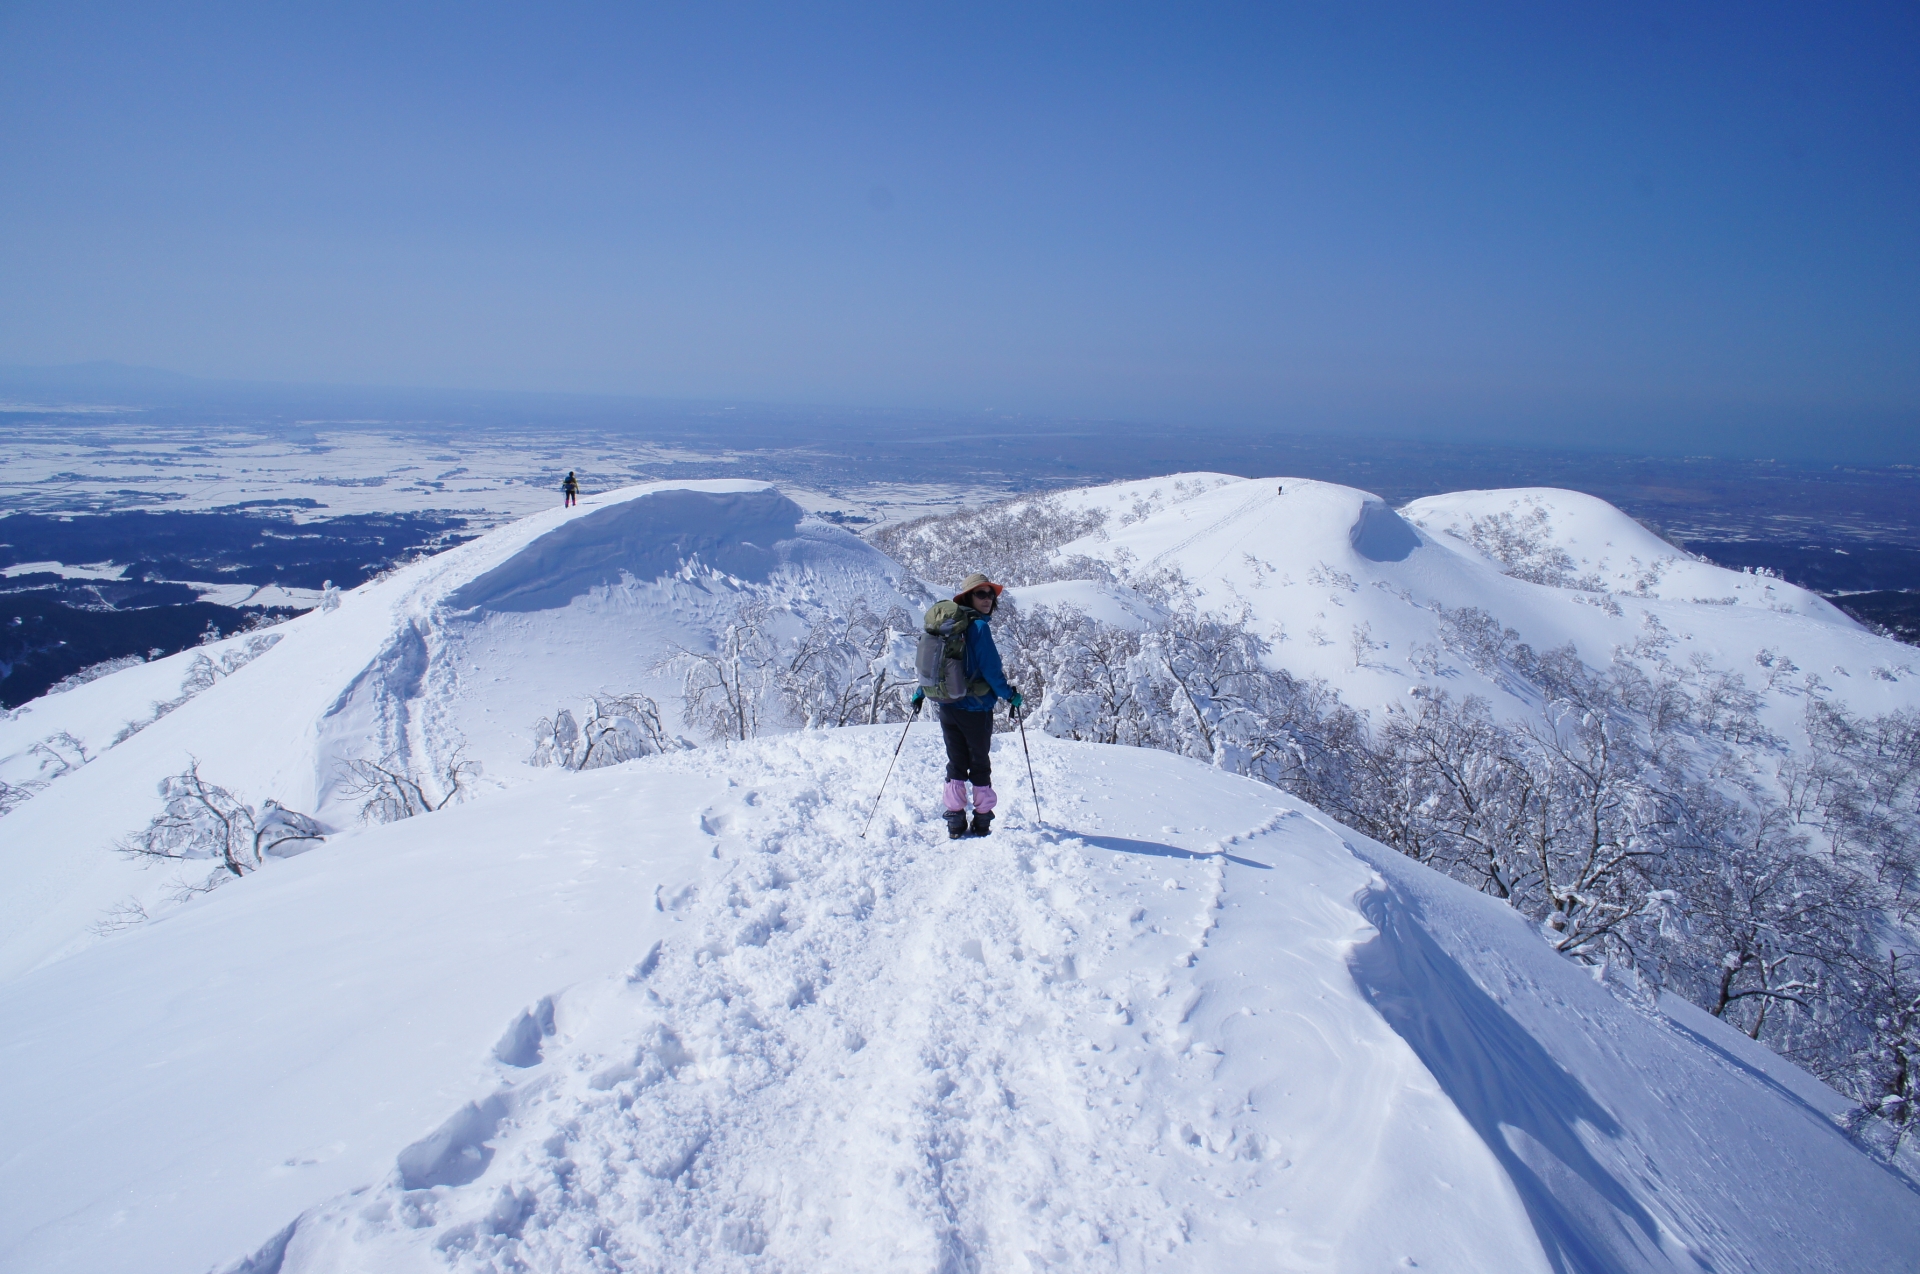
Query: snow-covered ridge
[[457, 655], [1690, 794], [729, 532], [1351, 592], [678, 1014], [1574, 540]]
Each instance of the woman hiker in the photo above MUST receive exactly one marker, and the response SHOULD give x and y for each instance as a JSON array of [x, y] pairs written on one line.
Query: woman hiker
[[967, 722], [571, 490]]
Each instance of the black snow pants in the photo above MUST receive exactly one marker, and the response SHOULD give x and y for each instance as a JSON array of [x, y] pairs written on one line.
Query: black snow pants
[[969, 736]]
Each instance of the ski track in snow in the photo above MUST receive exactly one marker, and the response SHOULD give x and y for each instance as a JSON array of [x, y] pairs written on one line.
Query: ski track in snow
[[1212, 529], [812, 1008]]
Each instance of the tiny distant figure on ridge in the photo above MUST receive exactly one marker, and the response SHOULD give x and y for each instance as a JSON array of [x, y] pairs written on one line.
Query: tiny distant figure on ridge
[[571, 489], [967, 682]]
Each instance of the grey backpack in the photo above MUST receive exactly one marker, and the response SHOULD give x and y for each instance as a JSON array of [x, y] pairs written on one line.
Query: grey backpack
[[940, 658]]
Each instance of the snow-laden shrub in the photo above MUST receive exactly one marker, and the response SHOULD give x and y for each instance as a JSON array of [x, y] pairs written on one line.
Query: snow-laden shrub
[[618, 728], [1198, 686], [849, 667], [14, 795], [202, 820], [1565, 816], [394, 787], [58, 755], [1483, 641], [93, 672], [1520, 540], [200, 676], [726, 691], [844, 667], [1013, 542]]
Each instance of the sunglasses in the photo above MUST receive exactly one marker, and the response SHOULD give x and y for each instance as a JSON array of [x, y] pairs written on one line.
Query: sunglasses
[[984, 592]]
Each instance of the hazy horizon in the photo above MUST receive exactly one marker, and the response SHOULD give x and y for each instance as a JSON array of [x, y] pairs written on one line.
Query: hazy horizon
[[133, 393]]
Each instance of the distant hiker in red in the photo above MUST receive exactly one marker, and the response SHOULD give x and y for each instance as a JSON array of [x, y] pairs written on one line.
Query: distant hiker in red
[[571, 489], [969, 683]]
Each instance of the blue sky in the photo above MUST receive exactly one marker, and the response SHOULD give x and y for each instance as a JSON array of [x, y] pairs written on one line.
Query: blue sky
[[1634, 222]]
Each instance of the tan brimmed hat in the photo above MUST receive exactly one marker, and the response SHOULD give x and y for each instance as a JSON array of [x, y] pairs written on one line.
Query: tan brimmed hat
[[972, 582]]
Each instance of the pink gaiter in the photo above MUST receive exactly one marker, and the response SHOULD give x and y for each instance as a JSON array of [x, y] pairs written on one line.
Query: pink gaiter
[[984, 800], [956, 794]]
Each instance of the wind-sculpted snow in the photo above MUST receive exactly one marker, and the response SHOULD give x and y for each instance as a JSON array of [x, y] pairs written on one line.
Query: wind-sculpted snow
[[1379, 534], [678, 1014], [1526, 1107], [730, 532], [1636, 1140], [546, 614]]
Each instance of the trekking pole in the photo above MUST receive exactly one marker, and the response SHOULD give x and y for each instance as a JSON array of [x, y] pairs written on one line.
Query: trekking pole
[[896, 757], [1038, 814]]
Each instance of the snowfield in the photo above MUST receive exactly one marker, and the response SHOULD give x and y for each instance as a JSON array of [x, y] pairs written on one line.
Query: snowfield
[[1109, 603], [457, 655], [679, 1013]]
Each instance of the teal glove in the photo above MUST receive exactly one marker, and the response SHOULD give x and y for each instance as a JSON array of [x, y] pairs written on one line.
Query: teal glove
[[918, 695], [1017, 701]]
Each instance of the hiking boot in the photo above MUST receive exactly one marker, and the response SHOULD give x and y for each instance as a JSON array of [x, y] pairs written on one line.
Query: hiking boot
[[956, 824], [982, 824]]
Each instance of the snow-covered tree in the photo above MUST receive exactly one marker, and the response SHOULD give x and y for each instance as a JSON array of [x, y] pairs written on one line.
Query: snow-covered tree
[[1013, 542], [726, 689], [392, 788], [849, 667], [619, 727], [14, 795], [59, 754], [202, 820], [1760, 919], [844, 666]]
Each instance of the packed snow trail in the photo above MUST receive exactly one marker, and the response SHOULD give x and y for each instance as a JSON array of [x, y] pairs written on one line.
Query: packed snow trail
[[945, 1056], [1213, 528], [676, 1014]]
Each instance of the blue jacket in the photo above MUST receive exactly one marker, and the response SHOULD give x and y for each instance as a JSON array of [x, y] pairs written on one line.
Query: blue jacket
[[983, 662]]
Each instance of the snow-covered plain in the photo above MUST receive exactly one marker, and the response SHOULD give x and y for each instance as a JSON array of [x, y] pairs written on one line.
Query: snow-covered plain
[[680, 1013], [488, 476], [459, 479]]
